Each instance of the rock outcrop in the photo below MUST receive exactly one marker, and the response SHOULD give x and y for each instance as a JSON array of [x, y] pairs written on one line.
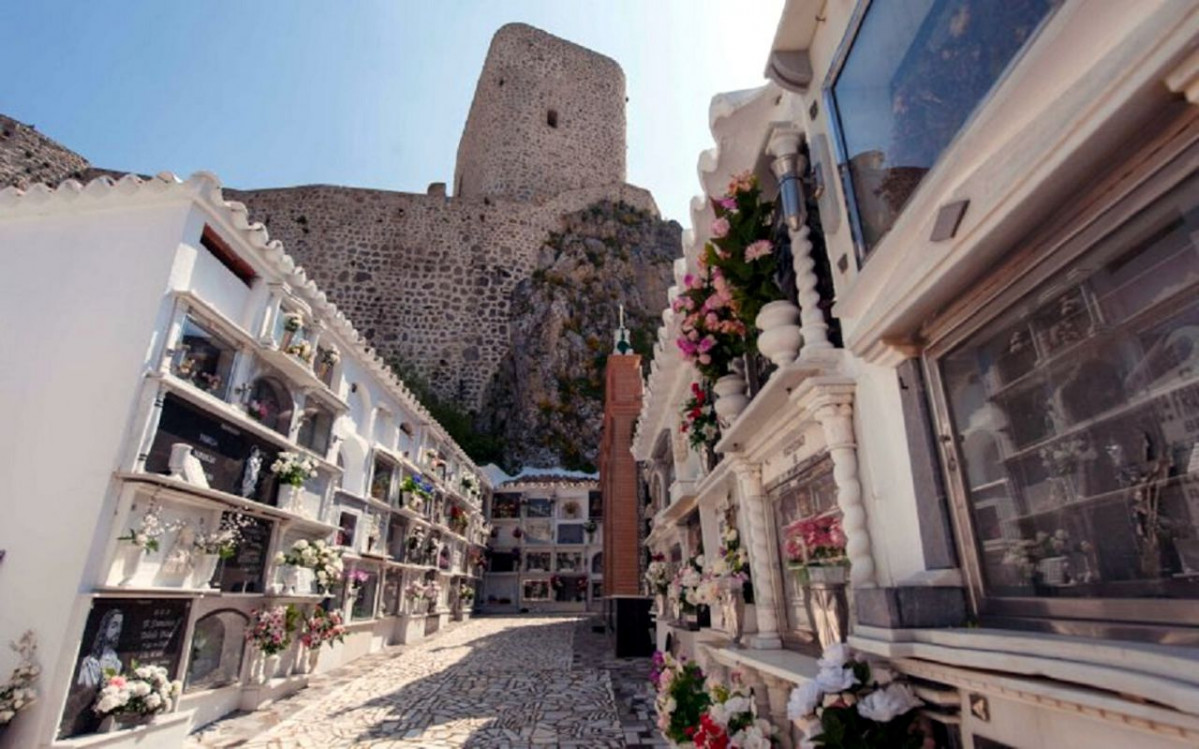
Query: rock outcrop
[[546, 402]]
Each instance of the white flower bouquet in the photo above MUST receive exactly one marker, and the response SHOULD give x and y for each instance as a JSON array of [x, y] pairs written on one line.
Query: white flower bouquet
[[324, 560], [151, 528], [657, 576], [148, 691], [18, 692], [225, 539], [855, 703], [292, 321], [293, 468]]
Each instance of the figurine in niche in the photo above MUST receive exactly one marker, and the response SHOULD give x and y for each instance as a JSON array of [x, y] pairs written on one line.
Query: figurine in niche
[[415, 540], [252, 472], [178, 560]]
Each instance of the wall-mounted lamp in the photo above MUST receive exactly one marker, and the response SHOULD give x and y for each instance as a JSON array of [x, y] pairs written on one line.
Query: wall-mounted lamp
[[786, 166]]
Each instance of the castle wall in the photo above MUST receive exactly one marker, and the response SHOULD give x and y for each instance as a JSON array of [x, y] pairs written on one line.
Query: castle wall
[[547, 116], [424, 277]]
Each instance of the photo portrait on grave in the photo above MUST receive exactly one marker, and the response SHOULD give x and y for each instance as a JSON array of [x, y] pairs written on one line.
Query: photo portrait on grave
[[103, 655], [118, 633]]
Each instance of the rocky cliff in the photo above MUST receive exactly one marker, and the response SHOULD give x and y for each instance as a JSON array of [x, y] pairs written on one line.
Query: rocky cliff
[[27, 157], [546, 402]]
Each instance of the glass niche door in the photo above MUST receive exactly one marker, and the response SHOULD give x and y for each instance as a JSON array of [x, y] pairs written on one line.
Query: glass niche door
[[1075, 416]]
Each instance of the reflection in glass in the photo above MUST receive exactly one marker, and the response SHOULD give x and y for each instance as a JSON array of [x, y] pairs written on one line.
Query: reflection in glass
[[811, 493], [570, 561], [536, 590], [271, 403], [537, 561], [363, 606], [917, 69], [505, 506], [570, 534], [316, 428], [218, 644], [203, 359], [1076, 414], [381, 480]]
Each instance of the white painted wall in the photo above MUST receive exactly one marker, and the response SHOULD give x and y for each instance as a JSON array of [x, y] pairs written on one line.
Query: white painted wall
[[79, 298]]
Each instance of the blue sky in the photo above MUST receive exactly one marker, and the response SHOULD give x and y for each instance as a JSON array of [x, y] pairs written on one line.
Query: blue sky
[[370, 93]]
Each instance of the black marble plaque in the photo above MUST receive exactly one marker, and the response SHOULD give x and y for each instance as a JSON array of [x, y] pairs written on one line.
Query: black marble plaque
[[245, 571], [234, 460], [119, 633]]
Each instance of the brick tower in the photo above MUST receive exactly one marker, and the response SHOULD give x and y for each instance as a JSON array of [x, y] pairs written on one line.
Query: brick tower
[[626, 609], [548, 116]]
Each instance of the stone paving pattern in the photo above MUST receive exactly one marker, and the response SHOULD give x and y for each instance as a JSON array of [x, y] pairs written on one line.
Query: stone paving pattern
[[501, 682]]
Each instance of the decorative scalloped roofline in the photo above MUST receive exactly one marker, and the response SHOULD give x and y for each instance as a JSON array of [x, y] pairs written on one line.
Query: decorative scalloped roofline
[[731, 116], [205, 188]]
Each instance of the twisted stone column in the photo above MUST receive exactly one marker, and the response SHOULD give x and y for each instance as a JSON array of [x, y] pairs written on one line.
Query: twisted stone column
[[811, 317], [787, 166], [762, 559], [836, 418], [778, 692]]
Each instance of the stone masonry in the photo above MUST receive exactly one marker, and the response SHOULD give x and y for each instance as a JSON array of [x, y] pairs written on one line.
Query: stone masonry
[[426, 278], [548, 116], [431, 279]]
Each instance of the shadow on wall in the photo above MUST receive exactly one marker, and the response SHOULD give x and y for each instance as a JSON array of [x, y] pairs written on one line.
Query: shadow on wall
[[501, 684]]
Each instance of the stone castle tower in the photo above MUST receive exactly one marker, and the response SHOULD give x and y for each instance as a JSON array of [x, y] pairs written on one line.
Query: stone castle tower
[[548, 116]]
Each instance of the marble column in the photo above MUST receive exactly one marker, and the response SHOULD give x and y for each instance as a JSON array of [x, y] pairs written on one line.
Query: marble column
[[762, 559], [756, 681], [778, 692], [835, 414]]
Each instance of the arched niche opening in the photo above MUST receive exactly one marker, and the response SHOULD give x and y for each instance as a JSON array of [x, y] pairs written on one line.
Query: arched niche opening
[[218, 645], [271, 403]]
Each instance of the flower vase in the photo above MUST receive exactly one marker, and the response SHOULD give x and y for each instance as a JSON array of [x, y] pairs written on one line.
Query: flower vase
[[829, 605], [290, 499], [288, 337], [815, 574], [119, 722], [733, 610], [203, 569], [290, 575], [780, 337], [266, 666], [730, 398], [314, 656], [131, 561]]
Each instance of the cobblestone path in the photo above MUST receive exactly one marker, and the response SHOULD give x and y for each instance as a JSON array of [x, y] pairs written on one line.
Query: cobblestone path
[[491, 683]]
